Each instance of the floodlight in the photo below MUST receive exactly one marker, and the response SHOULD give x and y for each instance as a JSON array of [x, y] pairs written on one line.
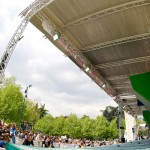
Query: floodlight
[[49, 29], [87, 69], [55, 37], [30, 86], [104, 85]]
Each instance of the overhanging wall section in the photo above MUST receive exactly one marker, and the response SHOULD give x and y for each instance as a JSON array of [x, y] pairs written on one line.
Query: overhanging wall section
[[141, 86]]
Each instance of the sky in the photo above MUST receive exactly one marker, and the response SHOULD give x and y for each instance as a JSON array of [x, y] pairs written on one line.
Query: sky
[[56, 81]]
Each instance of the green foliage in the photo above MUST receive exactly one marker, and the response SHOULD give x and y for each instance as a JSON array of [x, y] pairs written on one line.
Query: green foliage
[[10, 102], [14, 108], [72, 126], [30, 113], [86, 127], [8, 81], [140, 121], [101, 130], [58, 125], [110, 113], [42, 111], [13, 104], [45, 124], [113, 129]]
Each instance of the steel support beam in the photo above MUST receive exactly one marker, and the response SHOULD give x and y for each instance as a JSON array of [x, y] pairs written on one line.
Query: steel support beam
[[119, 77], [120, 119], [115, 9], [123, 87], [34, 7], [116, 42], [126, 94], [29, 13], [124, 62]]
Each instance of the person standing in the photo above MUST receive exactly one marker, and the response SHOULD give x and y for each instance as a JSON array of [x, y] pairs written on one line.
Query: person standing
[[139, 133], [2, 145], [13, 133], [39, 138]]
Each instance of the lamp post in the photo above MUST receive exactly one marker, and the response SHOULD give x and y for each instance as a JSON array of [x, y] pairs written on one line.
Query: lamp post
[[22, 106]]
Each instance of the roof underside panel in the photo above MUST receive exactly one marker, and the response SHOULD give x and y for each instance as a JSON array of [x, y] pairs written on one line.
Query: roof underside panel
[[119, 52], [127, 69], [111, 27], [113, 35], [70, 10]]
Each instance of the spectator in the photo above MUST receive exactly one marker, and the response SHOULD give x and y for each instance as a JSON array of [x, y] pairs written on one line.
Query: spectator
[[2, 142], [39, 138], [12, 133], [139, 133]]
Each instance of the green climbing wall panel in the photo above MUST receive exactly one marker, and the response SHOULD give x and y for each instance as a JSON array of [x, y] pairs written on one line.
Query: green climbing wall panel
[[146, 115], [141, 86]]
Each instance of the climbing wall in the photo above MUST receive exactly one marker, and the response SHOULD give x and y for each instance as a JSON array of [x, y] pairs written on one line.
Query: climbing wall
[[130, 126]]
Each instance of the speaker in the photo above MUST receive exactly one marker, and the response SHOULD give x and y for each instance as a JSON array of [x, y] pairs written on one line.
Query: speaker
[[139, 103], [123, 140]]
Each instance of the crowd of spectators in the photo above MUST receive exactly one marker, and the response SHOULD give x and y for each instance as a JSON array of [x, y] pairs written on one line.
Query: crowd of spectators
[[10, 133]]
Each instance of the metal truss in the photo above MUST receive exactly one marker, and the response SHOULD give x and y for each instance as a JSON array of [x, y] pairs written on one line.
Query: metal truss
[[11, 46], [34, 7], [119, 77], [116, 42], [124, 62], [122, 87], [123, 83], [126, 94], [108, 11], [29, 12], [70, 50]]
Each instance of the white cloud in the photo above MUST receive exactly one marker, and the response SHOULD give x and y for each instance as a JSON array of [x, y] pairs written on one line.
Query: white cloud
[[56, 80]]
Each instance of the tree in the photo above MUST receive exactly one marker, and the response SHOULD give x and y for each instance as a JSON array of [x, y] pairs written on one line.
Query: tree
[[101, 128], [86, 127], [8, 81], [10, 102], [45, 124], [30, 113], [72, 126], [110, 113], [42, 111], [58, 125], [113, 129]]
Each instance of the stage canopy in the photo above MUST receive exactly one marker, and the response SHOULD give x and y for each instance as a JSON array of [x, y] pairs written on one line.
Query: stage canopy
[[108, 39]]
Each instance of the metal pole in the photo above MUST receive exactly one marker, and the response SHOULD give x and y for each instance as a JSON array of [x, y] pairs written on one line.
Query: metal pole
[[120, 121], [22, 106]]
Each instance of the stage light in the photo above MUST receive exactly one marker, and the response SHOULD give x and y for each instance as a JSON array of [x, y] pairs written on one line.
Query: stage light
[[55, 37], [49, 29], [87, 69], [104, 85]]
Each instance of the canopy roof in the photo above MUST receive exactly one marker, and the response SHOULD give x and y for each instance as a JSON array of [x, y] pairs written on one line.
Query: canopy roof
[[110, 37]]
